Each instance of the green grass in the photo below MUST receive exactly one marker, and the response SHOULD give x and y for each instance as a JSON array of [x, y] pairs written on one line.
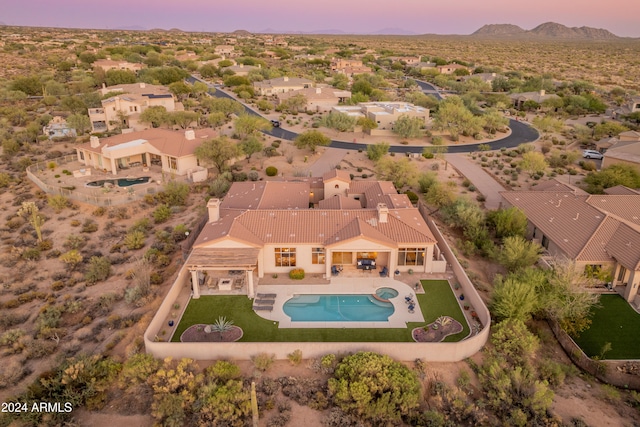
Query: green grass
[[437, 300], [615, 322]]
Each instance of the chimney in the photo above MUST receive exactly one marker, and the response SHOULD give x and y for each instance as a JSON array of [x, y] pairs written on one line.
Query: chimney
[[241, 65], [318, 90], [214, 210], [142, 85], [542, 92], [94, 141], [190, 134], [286, 79], [383, 213]]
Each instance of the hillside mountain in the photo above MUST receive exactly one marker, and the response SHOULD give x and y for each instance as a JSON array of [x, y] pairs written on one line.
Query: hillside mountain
[[550, 30], [394, 32], [499, 30]]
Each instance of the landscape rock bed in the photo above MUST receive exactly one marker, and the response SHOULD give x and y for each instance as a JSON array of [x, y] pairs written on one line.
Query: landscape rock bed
[[197, 333], [439, 334]]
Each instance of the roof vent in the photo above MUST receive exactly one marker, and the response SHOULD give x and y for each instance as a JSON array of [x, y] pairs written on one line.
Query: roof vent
[[577, 216], [94, 141], [189, 135]]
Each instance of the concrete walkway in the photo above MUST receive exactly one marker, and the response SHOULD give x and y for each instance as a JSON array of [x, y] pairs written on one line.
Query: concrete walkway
[[485, 183], [327, 161]]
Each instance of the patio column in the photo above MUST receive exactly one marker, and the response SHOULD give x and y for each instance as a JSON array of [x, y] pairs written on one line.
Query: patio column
[[328, 261], [195, 283], [428, 259], [393, 259], [114, 170], [250, 290]]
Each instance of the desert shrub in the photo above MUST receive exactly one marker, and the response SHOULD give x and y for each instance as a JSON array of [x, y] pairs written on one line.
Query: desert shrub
[[413, 197], [271, 171], [12, 372], [253, 176], [263, 361], [89, 226], [5, 179], [295, 357], [31, 254], [134, 240], [71, 258], [175, 193], [296, 274], [161, 214], [58, 202], [588, 165], [99, 269]]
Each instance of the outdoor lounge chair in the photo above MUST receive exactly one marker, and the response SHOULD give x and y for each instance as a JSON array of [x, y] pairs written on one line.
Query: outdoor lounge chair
[[334, 270], [266, 295], [384, 272], [263, 307]]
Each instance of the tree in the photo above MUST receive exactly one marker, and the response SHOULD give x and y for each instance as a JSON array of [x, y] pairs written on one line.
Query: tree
[[533, 162], [180, 89], [217, 151], [610, 176], [155, 115], [517, 297], [247, 124], [29, 85], [294, 103], [401, 172], [31, 211], [517, 253], [251, 145], [223, 403], [182, 118], [216, 119], [208, 71], [376, 151], [223, 105], [80, 122], [508, 222], [120, 77], [453, 116], [494, 121], [608, 129], [548, 124], [408, 127], [340, 122], [74, 104], [366, 124], [375, 388], [311, 139]]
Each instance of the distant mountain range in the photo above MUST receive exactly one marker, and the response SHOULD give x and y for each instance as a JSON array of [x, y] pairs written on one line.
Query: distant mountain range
[[383, 31], [548, 30]]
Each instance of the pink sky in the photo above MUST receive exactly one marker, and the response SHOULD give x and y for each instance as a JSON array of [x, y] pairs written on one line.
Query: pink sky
[[356, 16]]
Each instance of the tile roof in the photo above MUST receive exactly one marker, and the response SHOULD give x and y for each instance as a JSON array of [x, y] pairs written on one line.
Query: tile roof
[[336, 174], [557, 185], [267, 195], [621, 190], [624, 246], [339, 202], [565, 218], [624, 207], [166, 141], [595, 249]]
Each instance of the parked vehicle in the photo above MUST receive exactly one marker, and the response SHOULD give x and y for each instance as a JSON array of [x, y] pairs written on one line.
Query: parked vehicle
[[592, 154], [275, 123]]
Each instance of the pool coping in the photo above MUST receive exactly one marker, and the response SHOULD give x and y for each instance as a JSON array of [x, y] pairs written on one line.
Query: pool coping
[[344, 286]]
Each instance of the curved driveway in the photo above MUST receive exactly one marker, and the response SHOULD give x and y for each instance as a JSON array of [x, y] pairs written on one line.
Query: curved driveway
[[520, 133]]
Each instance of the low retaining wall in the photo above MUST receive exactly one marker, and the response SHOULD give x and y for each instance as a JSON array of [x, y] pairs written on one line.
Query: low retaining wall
[[620, 373]]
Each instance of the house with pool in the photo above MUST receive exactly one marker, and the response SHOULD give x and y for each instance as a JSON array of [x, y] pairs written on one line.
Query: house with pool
[[371, 261], [171, 151]]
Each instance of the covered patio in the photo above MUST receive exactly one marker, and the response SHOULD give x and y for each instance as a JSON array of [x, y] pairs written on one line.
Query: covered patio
[[217, 271]]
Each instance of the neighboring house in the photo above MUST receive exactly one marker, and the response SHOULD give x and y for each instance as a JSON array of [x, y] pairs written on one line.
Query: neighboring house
[[319, 99], [58, 128], [485, 77], [384, 114], [520, 98], [424, 66], [349, 67], [226, 50], [108, 64], [450, 68], [268, 226], [623, 152], [599, 232], [241, 69], [124, 110], [281, 85], [605, 143], [409, 61], [173, 151], [629, 107]]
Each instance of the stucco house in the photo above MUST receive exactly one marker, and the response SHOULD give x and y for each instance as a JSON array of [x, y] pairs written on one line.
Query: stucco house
[[384, 114], [450, 68], [241, 69], [269, 228], [349, 67], [124, 110], [623, 152], [599, 232], [108, 64], [173, 151], [281, 85], [539, 97], [631, 106], [319, 99]]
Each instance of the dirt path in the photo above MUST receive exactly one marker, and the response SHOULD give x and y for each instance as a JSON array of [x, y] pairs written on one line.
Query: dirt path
[[484, 182]]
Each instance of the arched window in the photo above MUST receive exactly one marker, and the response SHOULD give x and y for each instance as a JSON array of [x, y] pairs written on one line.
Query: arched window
[[337, 186]]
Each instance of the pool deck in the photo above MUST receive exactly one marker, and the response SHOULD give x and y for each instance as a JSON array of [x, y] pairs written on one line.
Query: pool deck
[[398, 319]]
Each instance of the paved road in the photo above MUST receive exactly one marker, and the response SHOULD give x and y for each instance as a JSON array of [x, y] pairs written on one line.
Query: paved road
[[520, 133], [429, 89]]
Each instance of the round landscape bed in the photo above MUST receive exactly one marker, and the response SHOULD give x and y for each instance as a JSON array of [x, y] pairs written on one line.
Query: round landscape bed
[[203, 333], [438, 330]]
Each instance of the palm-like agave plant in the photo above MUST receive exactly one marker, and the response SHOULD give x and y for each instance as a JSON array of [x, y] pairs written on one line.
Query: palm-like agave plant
[[222, 325]]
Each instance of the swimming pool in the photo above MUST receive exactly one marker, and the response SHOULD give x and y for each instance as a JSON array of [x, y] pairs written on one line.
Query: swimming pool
[[121, 182], [337, 308]]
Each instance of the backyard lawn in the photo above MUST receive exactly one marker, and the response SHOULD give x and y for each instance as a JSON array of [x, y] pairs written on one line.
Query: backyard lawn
[[615, 322], [437, 300]]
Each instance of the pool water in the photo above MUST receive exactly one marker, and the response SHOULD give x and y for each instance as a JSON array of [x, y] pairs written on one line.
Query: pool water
[[337, 308], [121, 182], [387, 293]]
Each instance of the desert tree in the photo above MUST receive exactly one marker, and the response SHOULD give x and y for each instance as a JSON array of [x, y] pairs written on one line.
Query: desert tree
[[517, 252], [453, 117], [366, 124], [339, 122], [155, 115], [401, 172], [80, 122], [533, 162], [508, 222], [183, 119], [218, 151], [248, 124], [311, 139], [408, 127], [251, 145], [376, 151]]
